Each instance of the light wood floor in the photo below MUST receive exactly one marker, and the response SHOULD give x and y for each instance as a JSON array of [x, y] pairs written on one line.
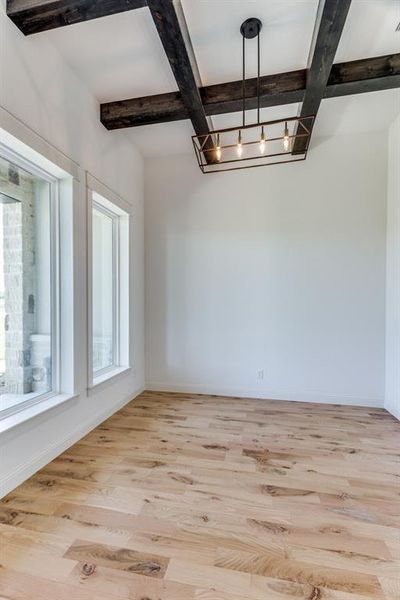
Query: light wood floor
[[184, 497]]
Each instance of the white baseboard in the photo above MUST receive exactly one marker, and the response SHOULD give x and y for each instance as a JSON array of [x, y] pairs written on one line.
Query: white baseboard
[[394, 411], [301, 396], [12, 480]]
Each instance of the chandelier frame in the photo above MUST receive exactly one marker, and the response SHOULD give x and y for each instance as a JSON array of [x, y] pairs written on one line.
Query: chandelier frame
[[212, 156], [203, 147]]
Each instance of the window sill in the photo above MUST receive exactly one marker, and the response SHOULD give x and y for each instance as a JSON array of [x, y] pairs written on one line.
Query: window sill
[[108, 378], [25, 414]]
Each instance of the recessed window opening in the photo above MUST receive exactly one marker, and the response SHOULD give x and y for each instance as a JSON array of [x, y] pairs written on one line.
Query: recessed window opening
[[109, 305], [29, 315], [105, 289]]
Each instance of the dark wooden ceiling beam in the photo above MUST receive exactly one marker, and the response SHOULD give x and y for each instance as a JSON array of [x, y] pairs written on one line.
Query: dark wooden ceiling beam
[[169, 30], [34, 16], [283, 88], [364, 75], [223, 98], [354, 77], [330, 21]]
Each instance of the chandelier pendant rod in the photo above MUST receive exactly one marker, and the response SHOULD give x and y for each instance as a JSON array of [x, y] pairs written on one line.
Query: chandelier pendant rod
[[250, 29], [244, 80], [258, 77]]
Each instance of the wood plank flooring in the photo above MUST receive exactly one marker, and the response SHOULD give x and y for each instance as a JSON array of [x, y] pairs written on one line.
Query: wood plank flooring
[[186, 497]]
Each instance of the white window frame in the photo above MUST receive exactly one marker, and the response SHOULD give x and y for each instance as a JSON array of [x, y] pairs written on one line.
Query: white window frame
[[54, 202], [17, 137], [107, 202], [99, 206]]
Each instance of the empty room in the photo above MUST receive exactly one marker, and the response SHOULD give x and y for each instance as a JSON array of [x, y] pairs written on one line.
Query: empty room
[[200, 300]]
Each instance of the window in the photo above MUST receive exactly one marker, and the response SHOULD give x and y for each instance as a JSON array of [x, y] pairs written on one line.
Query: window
[[109, 294], [28, 283], [104, 279]]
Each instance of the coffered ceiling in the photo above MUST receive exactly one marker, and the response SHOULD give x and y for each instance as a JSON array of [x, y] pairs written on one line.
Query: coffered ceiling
[[121, 56]]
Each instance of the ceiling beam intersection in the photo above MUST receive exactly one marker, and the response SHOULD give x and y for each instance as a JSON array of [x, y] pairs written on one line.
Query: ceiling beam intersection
[[171, 35], [329, 24]]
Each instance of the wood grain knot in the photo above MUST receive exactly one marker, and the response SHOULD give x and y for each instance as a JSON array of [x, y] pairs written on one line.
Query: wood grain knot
[[316, 594], [331, 529], [145, 567], [181, 478], [215, 447], [273, 490], [47, 482], [344, 496], [88, 569], [156, 463], [271, 527]]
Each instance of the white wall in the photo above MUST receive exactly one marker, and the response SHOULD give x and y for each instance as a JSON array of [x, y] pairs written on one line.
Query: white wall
[[38, 88], [392, 395], [280, 269]]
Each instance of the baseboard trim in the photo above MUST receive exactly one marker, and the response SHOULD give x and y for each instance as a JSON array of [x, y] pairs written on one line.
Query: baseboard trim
[[264, 394], [394, 411], [11, 481]]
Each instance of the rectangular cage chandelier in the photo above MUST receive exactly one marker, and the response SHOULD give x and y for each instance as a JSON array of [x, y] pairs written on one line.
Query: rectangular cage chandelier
[[256, 145]]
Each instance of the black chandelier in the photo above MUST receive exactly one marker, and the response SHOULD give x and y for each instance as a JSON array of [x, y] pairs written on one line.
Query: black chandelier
[[258, 144]]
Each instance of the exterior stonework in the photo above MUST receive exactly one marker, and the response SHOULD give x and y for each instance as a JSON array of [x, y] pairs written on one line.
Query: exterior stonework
[[19, 257]]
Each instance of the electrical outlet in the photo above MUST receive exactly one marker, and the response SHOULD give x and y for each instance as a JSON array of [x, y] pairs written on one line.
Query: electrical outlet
[[260, 374]]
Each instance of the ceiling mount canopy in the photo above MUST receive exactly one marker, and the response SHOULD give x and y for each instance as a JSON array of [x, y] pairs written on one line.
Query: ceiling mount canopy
[[250, 28], [257, 144]]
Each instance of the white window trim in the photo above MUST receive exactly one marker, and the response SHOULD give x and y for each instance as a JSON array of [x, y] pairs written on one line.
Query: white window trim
[[101, 208], [19, 137], [104, 199], [32, 148], [33, 169], [15, 419]]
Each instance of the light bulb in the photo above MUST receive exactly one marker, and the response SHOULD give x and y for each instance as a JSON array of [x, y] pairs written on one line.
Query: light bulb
[[239, 145], [262, 141], [286, 140], [218, 149]]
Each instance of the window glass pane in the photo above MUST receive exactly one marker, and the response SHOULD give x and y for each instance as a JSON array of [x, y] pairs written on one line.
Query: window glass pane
[[103, 290], [25, 285]]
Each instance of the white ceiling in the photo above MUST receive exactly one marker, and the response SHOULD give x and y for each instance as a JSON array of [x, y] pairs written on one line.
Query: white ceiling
[[214, 27], [121, 57], [370, 30], [117, 57]]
